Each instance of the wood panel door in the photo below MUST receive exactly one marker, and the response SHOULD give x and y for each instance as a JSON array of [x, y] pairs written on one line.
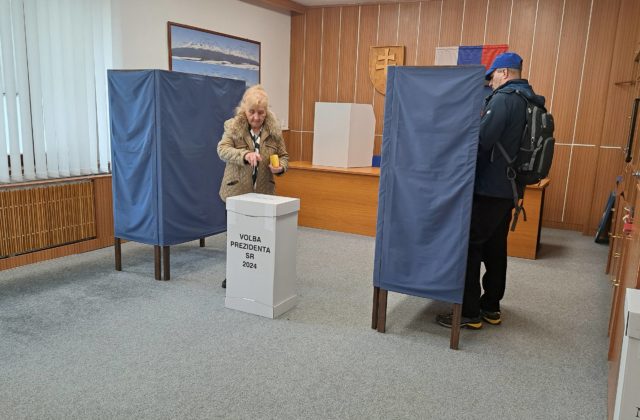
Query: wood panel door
[[629, 278]]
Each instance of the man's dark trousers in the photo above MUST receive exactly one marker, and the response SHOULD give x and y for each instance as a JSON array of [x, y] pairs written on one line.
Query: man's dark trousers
[[490, 219]]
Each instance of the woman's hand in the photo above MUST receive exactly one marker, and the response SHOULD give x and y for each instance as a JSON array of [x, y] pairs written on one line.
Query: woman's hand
[[276, 170], [253, 158]]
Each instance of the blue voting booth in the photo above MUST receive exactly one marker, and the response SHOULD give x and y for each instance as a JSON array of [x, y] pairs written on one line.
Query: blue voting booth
[[429, 149], [165, 127]]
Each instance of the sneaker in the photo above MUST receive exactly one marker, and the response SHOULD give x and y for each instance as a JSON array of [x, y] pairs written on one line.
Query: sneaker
[[224, 283], [492, 318], [446, 320]]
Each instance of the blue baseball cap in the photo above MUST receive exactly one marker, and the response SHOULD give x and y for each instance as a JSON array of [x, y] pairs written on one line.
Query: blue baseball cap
[[507, 60]]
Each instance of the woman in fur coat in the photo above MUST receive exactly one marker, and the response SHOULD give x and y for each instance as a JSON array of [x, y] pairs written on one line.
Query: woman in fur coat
[[252, 148], [249, 141]]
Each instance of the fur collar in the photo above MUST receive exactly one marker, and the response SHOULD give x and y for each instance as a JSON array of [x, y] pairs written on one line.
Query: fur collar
[[239, 126]]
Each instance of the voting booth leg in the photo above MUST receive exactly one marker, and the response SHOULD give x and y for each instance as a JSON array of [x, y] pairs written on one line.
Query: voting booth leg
[[381, 317], [156, 261], [455, 326], [118, 253], [374, 312], [165, 262]]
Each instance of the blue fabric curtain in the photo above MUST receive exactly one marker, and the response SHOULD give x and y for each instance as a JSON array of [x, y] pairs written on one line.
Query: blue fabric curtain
[[165, 127], [429, 148]]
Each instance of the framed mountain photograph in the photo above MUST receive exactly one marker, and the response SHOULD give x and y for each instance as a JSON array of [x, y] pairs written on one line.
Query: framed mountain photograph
[[201, 51]]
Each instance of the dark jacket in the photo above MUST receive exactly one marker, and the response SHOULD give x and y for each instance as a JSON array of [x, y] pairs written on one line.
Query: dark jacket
[[503, 120]]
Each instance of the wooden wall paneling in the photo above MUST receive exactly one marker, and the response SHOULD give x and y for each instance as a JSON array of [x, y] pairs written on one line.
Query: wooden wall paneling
[[608, 167], [473, 22], [65, 228], [67, 221], [620, 97], [498, 20], [408, 30], [306, 147], [451, 25], [27, 220], [37, 219], [3, 226], [32, 219], [49, 222], [103, 211], [582, 171], [377, 144], [294, 145], [366, 38], [24, 220], [17, 208], [554, 196], [50, 203], [76, 208], [311, 80], [67, 218], [330, 54], [387, 24], [296, 72], [13, 221], [103, 224], [523, 19], [542, 65], [387, 35], [406, 25], [56, 209], [570, 63], [429, 27], [32, 215], [596, 73], [81, 206], [43, 220], [4, 223], [348, 54], [60, 214], [83, 215], [39, 216]]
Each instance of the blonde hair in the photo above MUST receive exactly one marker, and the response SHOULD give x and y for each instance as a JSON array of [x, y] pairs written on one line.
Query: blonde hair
[[254, 96]]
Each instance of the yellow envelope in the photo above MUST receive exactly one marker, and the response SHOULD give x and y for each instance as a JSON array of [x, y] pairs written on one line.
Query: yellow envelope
[[275, 162]]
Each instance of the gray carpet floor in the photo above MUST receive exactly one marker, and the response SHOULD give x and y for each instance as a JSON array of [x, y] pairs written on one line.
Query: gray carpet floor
[[80, 340]]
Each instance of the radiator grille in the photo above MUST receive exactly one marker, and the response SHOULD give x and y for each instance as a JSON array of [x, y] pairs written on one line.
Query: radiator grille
[[34, 218]]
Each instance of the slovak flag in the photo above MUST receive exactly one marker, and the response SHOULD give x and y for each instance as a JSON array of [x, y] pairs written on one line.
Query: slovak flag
[[469, 54]]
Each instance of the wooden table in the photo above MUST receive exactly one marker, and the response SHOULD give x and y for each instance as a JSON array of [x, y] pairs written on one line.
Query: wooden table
[[346, 200]]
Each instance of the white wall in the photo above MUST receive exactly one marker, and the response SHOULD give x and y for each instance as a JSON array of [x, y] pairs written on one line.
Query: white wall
[[140, 36]]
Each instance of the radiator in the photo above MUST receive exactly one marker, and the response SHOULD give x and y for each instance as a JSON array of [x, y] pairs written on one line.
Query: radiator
[[40, 217]]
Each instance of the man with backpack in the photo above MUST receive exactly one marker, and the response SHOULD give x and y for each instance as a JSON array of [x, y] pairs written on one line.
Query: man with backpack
[[503, 126]]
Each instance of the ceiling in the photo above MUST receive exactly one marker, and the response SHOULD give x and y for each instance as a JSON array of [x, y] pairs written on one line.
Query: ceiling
[[333, 2]]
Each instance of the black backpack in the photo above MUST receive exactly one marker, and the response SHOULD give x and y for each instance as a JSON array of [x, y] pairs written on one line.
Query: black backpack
[[533, 161]]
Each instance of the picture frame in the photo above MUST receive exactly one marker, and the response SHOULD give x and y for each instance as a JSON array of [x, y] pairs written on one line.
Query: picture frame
[[202, 51]]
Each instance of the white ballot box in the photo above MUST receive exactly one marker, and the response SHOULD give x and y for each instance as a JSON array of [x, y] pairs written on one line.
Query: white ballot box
[[628, 393], [262, 232], [343, 134]]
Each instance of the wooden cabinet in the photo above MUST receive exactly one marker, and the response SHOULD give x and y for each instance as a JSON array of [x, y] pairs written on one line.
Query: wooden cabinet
[[627, 276], [624, 251]]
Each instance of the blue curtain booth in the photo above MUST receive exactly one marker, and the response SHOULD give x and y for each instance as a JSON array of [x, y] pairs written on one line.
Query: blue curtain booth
[[429, 148], [165, 127]]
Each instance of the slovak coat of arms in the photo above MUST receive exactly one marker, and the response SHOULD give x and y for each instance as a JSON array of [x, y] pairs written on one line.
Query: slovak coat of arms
[[379, 59]]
